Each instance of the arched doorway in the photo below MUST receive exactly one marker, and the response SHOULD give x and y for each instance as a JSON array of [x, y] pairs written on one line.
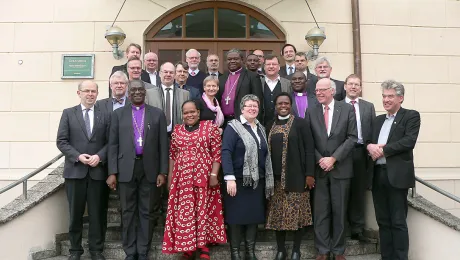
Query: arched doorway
[[212, 27]]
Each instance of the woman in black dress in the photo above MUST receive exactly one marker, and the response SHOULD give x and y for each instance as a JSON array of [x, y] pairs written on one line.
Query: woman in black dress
[[248, 172], [209, 106], [293, 158]]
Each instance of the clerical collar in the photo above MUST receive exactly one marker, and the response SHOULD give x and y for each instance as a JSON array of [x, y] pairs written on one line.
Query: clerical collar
[[283, 117], [138, 107], [236, 71], [300, 94], [191, 128]]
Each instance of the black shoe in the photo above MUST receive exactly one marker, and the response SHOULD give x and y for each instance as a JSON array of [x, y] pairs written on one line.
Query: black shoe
[[143, 257], [295, 255], [130, 257], [250, 242], [97, 256], [234, 233], [281, 256], [74, 257], [360, 237]]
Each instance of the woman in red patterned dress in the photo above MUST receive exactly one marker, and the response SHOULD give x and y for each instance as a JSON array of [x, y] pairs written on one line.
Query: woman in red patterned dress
[[194, 218]]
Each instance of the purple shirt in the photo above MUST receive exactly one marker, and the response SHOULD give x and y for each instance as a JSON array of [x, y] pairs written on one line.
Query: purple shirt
[[301, 101], [139, 117], [228, 108]]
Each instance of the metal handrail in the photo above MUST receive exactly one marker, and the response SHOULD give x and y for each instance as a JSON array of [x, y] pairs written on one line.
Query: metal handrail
[[435, 188], [28, 176]]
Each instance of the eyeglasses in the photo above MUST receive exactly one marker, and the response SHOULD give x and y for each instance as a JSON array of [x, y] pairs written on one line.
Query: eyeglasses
[[271, 64], [321, 90], [252, 106]]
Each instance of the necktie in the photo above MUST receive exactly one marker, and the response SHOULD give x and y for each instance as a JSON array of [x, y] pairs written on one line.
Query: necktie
[[326, 116], [87, 122], [168, 107], [291, 70], [353, 102], [118, 100]]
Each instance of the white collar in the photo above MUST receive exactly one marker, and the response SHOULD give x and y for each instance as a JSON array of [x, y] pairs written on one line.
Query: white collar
[[269, 80], [244, 121], [196, 71], [389, 116], [331, 105], [348, 100], [293, 66], [165, 87], [83, 107], [154, 73], [283, 117]]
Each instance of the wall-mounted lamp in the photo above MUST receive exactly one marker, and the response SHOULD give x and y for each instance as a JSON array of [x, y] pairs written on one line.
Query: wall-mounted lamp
[[315, 37], [115, 36]]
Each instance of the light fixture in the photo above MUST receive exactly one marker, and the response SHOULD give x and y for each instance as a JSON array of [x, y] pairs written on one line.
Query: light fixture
[[115, 36], [315, 37]]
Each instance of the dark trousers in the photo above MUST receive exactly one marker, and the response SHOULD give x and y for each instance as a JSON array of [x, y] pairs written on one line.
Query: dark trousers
[[140, 205], [331, 198], [93, 194], [358, 187], [391, 212]]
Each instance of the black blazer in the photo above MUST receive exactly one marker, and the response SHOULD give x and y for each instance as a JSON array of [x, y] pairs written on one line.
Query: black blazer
[[399, 148], [72, 140], [311, 99], [300, 161], [121, 149], [340, 93], [194, 92], [205, 112], [248, 83], [106, 104], [339, 144], [144, 74]]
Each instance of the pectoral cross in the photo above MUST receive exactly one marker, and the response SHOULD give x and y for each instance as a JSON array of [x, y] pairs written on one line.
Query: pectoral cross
[[139, 141], [227, 99]]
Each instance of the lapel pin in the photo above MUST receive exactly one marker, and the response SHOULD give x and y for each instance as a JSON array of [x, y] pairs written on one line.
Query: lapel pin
[[394, 123]]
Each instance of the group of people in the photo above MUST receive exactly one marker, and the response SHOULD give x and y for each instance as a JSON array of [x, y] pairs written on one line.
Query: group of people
[[220, 154]]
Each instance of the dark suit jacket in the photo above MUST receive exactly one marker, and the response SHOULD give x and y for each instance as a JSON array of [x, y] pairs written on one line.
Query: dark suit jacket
[[106, 104], [399, 148], [340, 93], [155, 98], [158, 83], [194, 92], [72, 140], [121, 149], [144, 74], [340, 142], [312, 102], [283, 73], [300, 159], [367, 115], [248, 83]]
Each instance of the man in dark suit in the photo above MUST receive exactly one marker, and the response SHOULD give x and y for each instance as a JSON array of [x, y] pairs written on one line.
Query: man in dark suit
[[261, 56], [133, 50], [235, 84], [252, 64], [365, 114], [301, 99], [82, 137], [301, 64], [181, 80], [151, 67], [323, 70], [138, 160], [333, 125], [212, 62], [394, 136], [119, 98], [288, 52]]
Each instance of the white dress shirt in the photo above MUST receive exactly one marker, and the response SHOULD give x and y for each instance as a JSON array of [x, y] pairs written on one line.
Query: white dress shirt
[[171, 95], [153, 77], [331, 113], [384, 133], [272, 83], [90, 114], [358, 119], [195, 70]]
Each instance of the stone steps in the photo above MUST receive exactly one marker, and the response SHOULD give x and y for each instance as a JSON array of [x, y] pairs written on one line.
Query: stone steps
[[264, 250]]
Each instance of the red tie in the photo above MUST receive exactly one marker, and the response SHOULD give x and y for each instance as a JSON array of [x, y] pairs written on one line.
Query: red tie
[[326, 116], [353, 102]]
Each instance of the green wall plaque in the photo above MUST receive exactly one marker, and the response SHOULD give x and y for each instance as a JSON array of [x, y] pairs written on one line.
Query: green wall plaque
[[77, 66]]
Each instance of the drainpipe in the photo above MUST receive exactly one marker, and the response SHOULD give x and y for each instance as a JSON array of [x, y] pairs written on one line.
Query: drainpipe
[[356, 37]]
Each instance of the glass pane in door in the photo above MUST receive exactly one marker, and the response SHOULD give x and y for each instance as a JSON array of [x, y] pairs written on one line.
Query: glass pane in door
[[200, 24], [171, 30], [169, 55], [231, 24]]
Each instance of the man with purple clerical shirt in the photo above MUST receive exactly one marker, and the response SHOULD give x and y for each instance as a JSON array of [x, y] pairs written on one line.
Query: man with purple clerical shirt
[[138, 160], [235, 84], [301, 99]]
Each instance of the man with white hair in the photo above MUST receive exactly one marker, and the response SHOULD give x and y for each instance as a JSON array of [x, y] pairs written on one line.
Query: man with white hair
[[323, 70], [119, 98], [196, 78]]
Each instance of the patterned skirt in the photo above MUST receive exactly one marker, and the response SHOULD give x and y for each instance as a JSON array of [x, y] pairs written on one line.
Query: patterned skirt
[[288, 210]]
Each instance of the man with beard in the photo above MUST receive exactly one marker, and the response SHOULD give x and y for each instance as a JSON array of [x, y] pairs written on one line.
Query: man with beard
[[138, 160], [301, 99], [196, 77], [235, 84], [323, 70], [288, 52]]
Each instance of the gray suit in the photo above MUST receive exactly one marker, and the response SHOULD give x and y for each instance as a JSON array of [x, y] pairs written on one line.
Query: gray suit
[[155, 98], [332, 188], [148, 85], [360, 180], [106, 104], [285, 85]]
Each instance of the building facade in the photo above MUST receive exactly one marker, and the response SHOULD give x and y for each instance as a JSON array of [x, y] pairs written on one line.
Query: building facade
[[412, 41]]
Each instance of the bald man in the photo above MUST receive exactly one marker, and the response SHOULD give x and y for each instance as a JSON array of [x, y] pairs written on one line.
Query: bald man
[[151, 66]]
